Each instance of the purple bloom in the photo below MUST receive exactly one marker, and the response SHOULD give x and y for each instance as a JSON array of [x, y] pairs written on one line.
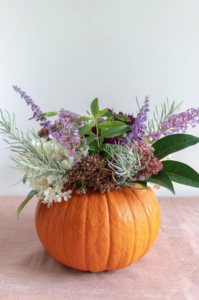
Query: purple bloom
[[137, 129], [177, 123], [67, 136], [70, 116], [35, 108], [101, 119]]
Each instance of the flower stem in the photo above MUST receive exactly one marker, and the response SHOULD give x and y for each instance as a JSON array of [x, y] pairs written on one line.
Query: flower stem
[[97, 136]]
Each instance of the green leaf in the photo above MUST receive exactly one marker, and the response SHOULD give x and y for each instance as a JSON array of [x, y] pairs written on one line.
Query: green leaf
[[121, 137], [21, 206], [93, 147], [110, 119], [115, 131], [51, 114], [81, 119], [84, 129], [173, 143], [48, 114], [101, 140], [101, 113], [109, 124], [88, 113], [91, 133], [95, 107], [106, 155], [123, 118], [24, 180], [41, 115], [90, 139], [162, 179], [100, 121], [181, 173], [108, 114]]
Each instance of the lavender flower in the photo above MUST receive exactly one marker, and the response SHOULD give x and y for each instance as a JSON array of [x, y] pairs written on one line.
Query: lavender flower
[[35, 108], [70, 115], [176, 123], [137, 129], [66, 135]]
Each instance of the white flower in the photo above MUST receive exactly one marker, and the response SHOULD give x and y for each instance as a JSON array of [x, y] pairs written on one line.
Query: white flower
[[67, 195], [50, 179], [66, 151], [49, 194], [47, 147], [64, 195], [59, 198], [58, 188], [66, 164]]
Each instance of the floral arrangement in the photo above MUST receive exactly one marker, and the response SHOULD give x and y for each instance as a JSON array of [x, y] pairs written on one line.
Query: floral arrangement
[[104, 150]]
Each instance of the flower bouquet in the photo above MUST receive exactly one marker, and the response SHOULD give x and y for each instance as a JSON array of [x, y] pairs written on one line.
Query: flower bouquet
[[93, 174]]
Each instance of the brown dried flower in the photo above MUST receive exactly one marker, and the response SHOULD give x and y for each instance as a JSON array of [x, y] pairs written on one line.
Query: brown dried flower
[[92, 172]]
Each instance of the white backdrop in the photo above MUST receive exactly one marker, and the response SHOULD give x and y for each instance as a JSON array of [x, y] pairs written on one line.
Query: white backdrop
[[66, 53]]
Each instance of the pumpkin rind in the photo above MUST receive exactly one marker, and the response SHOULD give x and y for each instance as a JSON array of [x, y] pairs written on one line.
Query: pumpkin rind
[[97, 232]]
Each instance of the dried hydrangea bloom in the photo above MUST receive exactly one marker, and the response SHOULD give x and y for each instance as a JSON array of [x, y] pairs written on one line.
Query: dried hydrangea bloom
[[154, 165]]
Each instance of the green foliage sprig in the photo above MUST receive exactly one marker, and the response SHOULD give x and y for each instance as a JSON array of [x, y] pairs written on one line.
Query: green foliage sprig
[[106, 129]]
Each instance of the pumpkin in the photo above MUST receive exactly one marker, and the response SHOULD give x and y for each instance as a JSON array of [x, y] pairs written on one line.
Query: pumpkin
[[97, 232]]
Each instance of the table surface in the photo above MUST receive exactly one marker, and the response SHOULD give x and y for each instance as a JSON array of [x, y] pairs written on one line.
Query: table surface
[[170, 270]]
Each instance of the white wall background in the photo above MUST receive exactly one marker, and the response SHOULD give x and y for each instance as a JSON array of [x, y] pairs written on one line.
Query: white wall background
[[64, 53]]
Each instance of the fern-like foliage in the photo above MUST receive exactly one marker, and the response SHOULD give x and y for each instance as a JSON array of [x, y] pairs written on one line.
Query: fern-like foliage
[[28, 159]]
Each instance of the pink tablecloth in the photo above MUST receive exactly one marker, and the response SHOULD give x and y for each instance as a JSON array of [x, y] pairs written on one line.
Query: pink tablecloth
[[169, 271]]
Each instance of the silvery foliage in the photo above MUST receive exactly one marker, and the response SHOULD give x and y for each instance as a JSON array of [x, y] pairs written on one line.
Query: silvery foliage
[[126, 163], [29, 159]]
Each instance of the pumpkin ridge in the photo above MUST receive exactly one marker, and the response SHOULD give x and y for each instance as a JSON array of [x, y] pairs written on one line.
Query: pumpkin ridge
[[37, 216], [86, 231], [134, 231], [47, 235], [64, 227], [148, 221], [134, 192], [152, 193], [159, 217], [39, 231], [109, 230], [56, 230]]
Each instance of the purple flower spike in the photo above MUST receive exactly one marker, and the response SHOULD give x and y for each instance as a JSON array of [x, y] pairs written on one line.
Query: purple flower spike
[[137, 128], [177, 123], [35, 108]]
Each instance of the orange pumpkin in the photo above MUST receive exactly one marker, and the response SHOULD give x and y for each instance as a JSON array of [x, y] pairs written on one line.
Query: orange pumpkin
[[97, 232]]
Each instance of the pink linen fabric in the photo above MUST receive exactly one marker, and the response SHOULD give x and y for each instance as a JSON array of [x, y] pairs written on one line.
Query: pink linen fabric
[[169, 271]]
